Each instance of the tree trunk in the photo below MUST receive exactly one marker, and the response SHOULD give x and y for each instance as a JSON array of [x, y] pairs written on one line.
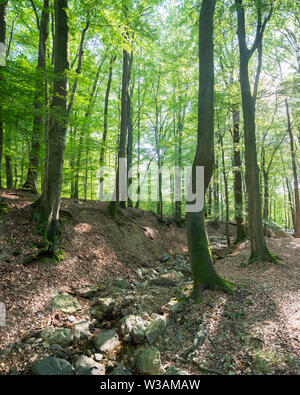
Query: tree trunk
[[39, 103], [225, 190], [238, 188], [259, 250], [204, 274], [294, 167], [3, 14], [120, 190], [8, 162], [46, 209]]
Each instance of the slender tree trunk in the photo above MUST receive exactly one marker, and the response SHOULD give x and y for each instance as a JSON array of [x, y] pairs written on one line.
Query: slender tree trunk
[[225, 190], [259, 250], [295, 175], [120, 199], [8, 161], [204, 274], [238, 188], [46, 209], [3, 15], [105, 125], [39, 103]]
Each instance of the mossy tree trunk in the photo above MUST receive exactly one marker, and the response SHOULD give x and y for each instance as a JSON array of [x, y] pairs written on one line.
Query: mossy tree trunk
[[204, 274], [46, 208]]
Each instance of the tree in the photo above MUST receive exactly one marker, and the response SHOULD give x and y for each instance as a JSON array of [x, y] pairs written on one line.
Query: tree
[[40, 100], [3, 13], [204, 274], [259, 250], [46, 208]]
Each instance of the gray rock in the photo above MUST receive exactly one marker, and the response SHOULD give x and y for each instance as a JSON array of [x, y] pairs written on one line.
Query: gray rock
[[106, 305], [81, 330], [46, 332], [148, 361], [52, 366], [56, 347], [175, 371], [61, 336], [155, 329], [106, 341], [87, 366], [163, 282], [121, 370], [121, 283], [98, 357], [166, 257], [174, 306], [134, 326], [66, 303]]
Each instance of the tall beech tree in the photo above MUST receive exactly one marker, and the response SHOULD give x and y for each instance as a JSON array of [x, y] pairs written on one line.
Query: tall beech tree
[[259, 250], [46, 208], [40, 100], [3, 13], [204, 274]]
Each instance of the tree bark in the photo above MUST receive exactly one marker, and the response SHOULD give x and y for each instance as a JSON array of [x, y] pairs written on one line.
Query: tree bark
[[3, 15], [46, 209], [259, 250], [204, 274], [39, 102]]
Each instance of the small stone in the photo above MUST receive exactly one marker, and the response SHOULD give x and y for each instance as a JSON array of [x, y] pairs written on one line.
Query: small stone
[[106, 341], [106, 305], [98, 357], [81, 330], [165, 258], [175, 371], [121, 283], [71, 318], [148, 361], [121, 370], [61, 336], [52, 366], [134, 326], [46, 332], [87, 366], [56, 347], [155, 329], [163, 282], [66, 303]]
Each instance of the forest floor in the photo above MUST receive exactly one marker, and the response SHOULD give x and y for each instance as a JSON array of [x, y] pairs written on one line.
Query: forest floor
[[254, 331]]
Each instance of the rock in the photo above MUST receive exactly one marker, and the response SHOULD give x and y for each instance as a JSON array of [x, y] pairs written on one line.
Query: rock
[[106, 305], [121, 370], [81, 330], [106, 341], [87, 366], [175, 371], [71, 318], [163, 282], [61, 336], [165, 258], [174, 306], [56, 347], [121, 283], [46, 332], [52, 366], [98, 357], [148, 361], [155, 329], [134, 326], [88, 293], [66, 303]]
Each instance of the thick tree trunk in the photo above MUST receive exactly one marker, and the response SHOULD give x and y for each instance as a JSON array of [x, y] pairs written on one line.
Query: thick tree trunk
[[8, 161], [3, 14], [46, 209], [238, 188], [204, 274], [39, 103]]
